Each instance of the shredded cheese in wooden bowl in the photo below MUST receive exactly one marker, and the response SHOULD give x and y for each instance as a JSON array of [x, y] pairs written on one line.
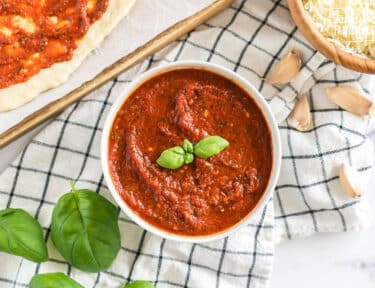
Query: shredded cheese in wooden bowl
[[350, 24]]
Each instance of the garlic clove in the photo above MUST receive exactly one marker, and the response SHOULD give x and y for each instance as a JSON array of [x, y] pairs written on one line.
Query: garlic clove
[[351, 181], [300, 117], [286, 69], [351, 99]]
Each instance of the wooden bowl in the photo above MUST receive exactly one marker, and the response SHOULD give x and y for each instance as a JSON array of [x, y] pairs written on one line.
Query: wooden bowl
[[308, 28]]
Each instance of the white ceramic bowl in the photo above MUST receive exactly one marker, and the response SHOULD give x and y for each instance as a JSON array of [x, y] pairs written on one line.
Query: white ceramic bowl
[[262, 105]]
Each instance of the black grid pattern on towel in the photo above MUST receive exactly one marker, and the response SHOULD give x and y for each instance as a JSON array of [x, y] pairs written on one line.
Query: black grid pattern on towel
[[249, 37]]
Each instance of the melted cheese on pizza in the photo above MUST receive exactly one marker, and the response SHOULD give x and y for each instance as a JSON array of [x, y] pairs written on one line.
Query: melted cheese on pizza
[[35, 34]]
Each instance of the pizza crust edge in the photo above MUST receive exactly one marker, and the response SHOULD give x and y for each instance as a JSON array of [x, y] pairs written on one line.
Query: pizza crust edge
[[19, 94]]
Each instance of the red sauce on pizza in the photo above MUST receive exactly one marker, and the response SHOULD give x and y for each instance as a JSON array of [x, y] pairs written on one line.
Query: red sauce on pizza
[[208, 195], [35, 34]]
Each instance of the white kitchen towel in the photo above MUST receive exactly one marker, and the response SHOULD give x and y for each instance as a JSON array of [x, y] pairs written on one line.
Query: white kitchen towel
[[249, 38]]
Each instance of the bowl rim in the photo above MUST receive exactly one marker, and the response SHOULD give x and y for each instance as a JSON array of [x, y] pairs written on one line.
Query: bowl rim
[[333, 52], [262, 104]]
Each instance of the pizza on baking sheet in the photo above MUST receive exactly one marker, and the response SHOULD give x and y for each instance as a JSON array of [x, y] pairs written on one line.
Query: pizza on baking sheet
[[43, 41]]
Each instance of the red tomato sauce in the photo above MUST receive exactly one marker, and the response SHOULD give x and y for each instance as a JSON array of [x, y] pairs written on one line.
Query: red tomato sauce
[[35, 34], [208, 195]]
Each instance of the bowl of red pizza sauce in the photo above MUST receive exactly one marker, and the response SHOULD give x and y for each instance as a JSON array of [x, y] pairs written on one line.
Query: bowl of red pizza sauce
[[208, 198]]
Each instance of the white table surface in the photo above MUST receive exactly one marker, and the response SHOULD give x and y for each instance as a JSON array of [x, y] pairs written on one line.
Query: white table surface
[[345, 260]]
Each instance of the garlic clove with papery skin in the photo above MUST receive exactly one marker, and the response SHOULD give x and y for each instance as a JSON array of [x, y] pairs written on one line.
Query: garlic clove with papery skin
[[351, 99], [300, 117], [286, 69], [351, 181]]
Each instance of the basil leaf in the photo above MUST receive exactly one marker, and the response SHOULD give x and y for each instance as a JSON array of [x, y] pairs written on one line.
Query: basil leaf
[[85, 230], [188, 146], [210, 146], [172, 158], [53, 280], [189, 158], [139, 284], [22, 235]]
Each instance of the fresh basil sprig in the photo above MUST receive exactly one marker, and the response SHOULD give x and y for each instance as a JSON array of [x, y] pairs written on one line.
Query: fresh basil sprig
[[85, 230], [139, 284], [22, 235], [50, 280], [176, 157]]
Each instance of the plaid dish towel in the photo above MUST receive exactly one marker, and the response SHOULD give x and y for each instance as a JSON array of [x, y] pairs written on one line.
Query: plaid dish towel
[[249, 38]]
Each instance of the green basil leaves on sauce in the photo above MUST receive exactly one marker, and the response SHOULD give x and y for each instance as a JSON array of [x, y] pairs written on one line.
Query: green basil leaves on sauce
[[210, 146], [85, 230], [139, 284], [176, 157], [189, 158], [172, 158], [22, 235], [188, 146], [53, 280]]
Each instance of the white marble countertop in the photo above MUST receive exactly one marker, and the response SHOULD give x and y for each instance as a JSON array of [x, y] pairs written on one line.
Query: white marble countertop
[[345, 260]]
